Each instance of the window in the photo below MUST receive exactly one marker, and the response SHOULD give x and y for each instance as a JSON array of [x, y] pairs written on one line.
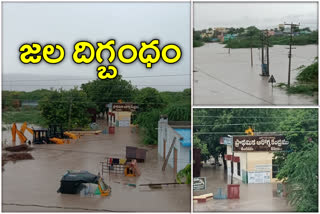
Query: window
[[238, 168]]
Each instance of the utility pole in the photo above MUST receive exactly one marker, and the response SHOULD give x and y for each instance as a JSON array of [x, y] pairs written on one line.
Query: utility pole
[[264, 42], [70, 110], [251, 51], [251, 58], [262, 51], [267, 43], [290, 49]]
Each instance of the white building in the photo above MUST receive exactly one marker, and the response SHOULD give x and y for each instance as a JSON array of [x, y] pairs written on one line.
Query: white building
[[255, 157], [181, 153]]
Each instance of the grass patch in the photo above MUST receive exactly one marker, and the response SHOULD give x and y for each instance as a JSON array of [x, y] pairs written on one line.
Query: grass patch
[[307, 81], [31, 116], [307, 89]]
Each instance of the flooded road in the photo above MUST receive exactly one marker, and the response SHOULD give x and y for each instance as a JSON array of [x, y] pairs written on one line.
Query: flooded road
[[253, 197], [223, 78], [31, 185]]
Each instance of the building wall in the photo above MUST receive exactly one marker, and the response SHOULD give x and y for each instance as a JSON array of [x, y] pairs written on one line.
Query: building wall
[[243, 164], [255, 166], [260, 163], [167, 133], [123, 116]]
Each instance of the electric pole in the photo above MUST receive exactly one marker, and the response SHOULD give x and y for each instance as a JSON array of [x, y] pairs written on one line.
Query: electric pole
[[264, 42], [251, 58], [251, 52], [267, 43], [262, 51], [292, 26]]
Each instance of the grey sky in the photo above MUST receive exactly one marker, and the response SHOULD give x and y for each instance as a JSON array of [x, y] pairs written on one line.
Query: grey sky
[[67, 23], [261, 15]]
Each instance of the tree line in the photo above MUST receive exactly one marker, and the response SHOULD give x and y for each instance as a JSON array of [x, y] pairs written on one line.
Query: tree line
[[57, 106], [250, 37]]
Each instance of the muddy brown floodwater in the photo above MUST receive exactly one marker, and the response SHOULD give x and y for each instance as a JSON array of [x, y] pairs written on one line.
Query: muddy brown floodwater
[[223, 78], [31, 185], [253, 197]]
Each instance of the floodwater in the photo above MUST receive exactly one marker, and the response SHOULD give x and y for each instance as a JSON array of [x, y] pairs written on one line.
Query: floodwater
[[253, 197], [223, 78], [31, 185]]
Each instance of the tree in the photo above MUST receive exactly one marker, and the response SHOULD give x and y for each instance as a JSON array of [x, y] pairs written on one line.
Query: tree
[[148, 122], [241, 30], [178, 112], [299, 126], [252, 31], [198, 144], [153, 103], [103, 92], [300, 173], [306, 29], [148, 99], [232, 30], [184, 174], [57, 106]]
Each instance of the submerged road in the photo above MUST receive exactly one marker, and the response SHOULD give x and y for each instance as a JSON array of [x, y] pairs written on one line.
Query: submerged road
[[253, 197], [229, 79]]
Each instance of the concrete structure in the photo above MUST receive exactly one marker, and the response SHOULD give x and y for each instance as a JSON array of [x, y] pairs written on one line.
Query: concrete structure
[[181, 153], [255, 166], [121, 112], [281, 27], [220, 30], [271, 32]]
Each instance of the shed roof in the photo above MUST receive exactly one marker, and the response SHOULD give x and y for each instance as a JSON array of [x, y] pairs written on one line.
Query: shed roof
[[186, 136]]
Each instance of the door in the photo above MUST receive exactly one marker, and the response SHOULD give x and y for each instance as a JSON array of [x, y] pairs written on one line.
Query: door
[[175, 160], [164, 149]]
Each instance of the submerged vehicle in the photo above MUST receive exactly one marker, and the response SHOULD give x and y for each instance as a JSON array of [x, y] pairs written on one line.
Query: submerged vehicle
[[74, 181]]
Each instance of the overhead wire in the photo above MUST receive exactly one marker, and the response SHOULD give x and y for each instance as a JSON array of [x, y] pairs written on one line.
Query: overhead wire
[[236, 88]]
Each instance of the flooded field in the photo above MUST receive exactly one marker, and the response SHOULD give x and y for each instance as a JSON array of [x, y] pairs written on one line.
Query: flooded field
[[223, 78], [253, 197], [31, 185]]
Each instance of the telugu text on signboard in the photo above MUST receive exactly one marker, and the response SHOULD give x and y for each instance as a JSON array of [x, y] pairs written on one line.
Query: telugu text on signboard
[[259, 143], [124, 107]]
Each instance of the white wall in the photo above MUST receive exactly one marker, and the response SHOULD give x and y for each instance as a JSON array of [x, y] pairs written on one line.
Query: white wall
[[167, 133], [243, 163]]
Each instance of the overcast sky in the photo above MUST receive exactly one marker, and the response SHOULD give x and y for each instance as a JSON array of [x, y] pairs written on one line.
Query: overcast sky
[[67, 23], [261, 15]]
